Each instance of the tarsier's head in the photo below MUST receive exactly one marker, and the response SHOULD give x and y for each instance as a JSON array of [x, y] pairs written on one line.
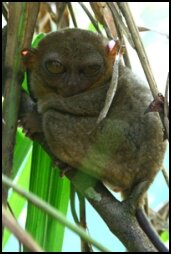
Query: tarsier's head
[[69, 62]]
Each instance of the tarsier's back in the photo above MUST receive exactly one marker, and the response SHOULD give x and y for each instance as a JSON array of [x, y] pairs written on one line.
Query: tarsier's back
[[70, 88]]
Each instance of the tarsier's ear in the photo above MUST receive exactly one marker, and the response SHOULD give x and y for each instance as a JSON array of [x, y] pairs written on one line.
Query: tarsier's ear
[[29, 57], [113, 48]]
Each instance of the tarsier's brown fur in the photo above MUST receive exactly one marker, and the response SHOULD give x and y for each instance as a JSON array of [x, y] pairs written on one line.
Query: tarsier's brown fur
[[127, 147], [70, 72]]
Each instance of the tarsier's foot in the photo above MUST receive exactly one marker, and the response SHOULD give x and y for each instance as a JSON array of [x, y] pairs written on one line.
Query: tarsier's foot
[[62, 166]]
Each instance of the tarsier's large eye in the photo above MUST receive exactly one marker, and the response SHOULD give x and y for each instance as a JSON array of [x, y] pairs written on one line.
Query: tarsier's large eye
[[54, 67], [91, 70]]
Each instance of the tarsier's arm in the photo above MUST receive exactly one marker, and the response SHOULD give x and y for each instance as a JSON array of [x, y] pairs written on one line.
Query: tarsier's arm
[[83, 105]]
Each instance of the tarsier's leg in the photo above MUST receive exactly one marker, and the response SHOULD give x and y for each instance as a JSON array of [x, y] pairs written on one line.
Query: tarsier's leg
[[31, 122]]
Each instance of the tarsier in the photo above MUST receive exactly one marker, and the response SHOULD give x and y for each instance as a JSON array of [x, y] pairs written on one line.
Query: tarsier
[[70, 72]]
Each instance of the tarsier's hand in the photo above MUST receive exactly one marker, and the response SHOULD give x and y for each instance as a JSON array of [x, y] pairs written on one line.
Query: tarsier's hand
[[29, 119], [31, 122]]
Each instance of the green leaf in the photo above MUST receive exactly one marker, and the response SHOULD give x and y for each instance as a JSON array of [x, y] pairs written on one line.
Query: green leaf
[[22, 147], [46, 182], [165, 236], [93, 29], [37, 39]]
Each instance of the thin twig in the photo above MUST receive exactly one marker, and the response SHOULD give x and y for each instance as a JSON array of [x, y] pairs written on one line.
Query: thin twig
[[165, 174], [166, 107], [146, 29], [94, 22], [120, 27], [104, 16], [72, 204], [12, 213], [111, 91], [51, 13], [72, 14], [118, 20], [139, 46], [126, 55], [60, 7], [85, 247], [5, 10], [9, 222]]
